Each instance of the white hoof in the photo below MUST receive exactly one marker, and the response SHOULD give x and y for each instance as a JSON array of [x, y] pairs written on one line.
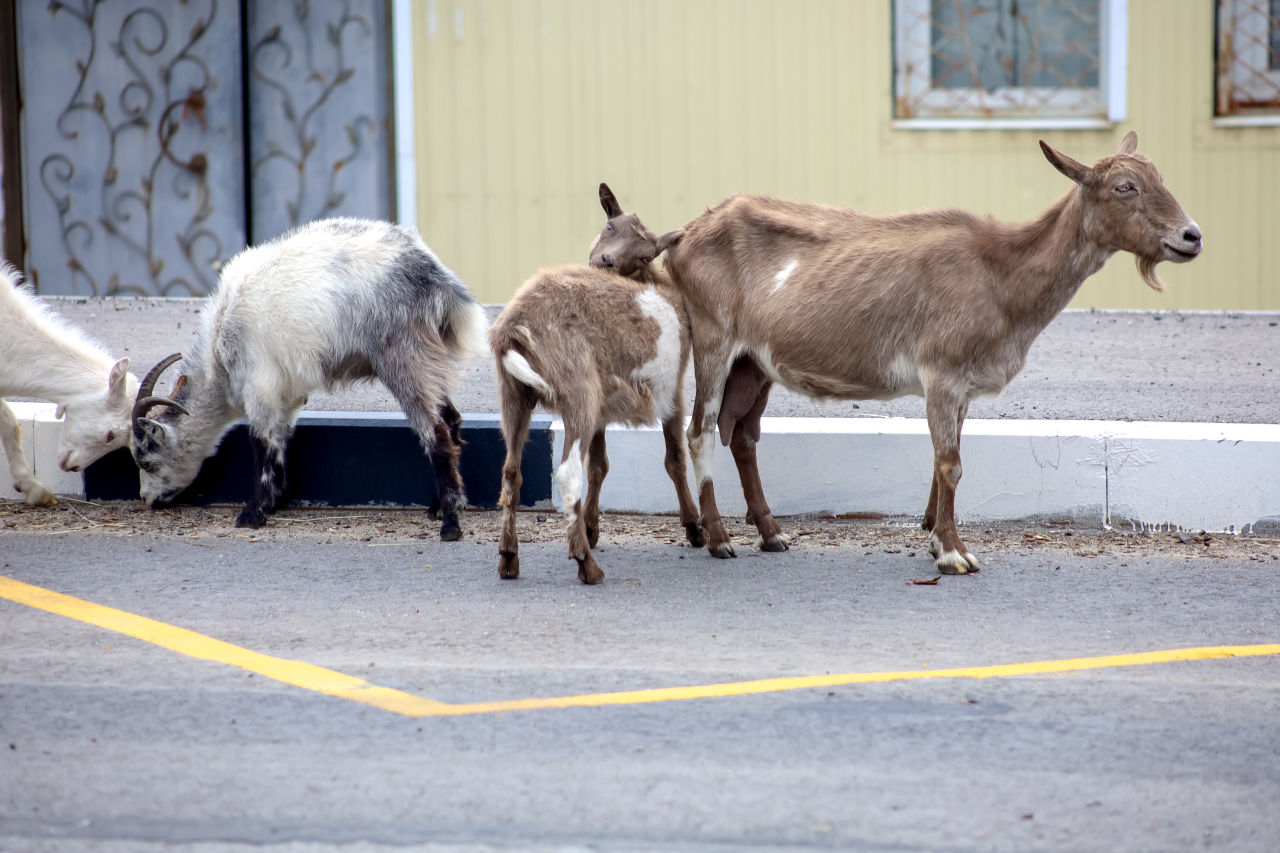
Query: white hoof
[[956, 563], [37, 494], [776, 543], [722, 551]]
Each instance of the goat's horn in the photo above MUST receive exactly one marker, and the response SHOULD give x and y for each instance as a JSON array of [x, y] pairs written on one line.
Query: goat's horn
[[145, 400], [149, 382], [146, 404], [177, 386]]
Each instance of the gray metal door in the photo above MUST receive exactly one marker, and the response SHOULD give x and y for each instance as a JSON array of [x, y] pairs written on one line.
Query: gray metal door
[[157, 136]]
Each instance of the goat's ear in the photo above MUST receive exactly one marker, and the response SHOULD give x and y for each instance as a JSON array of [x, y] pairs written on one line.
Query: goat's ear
[[60, 412], [1077, 172], [152, 430], [1129, 144], [116, 381], [609, 202], [666, 241]]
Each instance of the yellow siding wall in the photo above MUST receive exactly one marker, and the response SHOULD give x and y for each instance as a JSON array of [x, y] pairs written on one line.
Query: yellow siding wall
[[524, 106]]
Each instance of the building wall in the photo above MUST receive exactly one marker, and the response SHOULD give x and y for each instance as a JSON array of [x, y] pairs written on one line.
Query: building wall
[[524, 106]]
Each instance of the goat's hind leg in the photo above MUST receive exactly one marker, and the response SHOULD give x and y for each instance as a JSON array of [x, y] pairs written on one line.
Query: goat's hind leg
[[570, 476], [19, 469], [710, 373], [677, 471], [445, 455], [597, 470], [517, 407], [453, 419]]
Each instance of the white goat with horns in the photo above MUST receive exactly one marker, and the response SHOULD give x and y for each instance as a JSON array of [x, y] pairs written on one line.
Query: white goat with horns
[[43, 357], [330, 303]]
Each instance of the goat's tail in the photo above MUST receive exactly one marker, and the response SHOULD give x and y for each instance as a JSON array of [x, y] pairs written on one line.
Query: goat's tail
[[465, 318], [507, 340]]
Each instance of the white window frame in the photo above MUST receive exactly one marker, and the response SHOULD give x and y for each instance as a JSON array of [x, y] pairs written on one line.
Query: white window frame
[[1007, 109], [1234, 17], [405, 148]]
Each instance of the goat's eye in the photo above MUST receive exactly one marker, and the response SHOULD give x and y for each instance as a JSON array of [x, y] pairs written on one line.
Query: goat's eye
[[645, 260], [608, 227], [111, 436], [1124, 189]]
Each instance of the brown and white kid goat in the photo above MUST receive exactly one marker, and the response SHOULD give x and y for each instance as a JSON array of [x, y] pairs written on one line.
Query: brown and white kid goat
[[597, 345], [942, 304]]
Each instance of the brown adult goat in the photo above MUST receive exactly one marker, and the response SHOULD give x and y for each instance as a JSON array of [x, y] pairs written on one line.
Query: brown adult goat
[[597, 345], [943, 304]]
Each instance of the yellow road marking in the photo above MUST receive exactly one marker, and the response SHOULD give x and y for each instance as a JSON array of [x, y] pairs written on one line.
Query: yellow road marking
[[332, 683]]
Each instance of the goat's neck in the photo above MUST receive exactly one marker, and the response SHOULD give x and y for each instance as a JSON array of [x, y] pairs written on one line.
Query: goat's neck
[[211, 416], [1045, 262]]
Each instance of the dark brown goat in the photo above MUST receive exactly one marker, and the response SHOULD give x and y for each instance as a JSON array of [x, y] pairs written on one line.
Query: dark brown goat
[[943, 304]]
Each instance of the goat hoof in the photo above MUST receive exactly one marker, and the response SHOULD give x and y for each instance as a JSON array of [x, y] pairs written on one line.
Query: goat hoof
[[251, 518], [588, 571], [450, 532], [433, 511], [927, 524], [694, 532], [956, 563], [723, 551], [775, 544], [40, 496], [508, 566]]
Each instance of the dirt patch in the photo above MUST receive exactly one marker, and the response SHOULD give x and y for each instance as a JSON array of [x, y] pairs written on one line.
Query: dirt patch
[[205, 526]]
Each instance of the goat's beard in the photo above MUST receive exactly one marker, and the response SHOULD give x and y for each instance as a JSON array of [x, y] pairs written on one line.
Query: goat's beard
[[1147, 269]]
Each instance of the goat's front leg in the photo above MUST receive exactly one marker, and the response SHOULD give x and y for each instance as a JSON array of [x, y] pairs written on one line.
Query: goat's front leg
[[570, 476], [19, 469], [597, 470], [678, 472], [945, 412], [710, 372], [268, 462], [931, 508]]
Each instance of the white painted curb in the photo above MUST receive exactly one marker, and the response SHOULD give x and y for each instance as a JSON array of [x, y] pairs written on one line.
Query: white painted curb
[[40, 434], [1213, 477]]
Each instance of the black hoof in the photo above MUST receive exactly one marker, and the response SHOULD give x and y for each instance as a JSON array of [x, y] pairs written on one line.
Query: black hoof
[[450, 533], [433, 511], [251, 518], [508, 566], [694, 534]]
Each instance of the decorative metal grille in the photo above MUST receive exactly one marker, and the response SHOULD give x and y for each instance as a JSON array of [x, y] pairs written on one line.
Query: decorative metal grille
[[998, 59], [134, 133], [320, 120], [126, 105], [1248, 57]]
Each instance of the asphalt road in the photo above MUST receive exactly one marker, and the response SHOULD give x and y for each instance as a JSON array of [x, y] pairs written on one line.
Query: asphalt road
[[1106, 365], [109, 743]]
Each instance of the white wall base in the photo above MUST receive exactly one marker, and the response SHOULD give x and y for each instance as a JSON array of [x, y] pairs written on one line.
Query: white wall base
[[40, 434], [1197, 476]]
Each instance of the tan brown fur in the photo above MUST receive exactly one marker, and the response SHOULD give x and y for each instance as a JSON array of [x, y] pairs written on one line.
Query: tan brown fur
[[944, 304], [585, 335]]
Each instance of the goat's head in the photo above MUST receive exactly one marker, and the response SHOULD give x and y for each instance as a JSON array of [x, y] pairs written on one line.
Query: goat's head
[[1126, 207], [94, 426], [625, 246], [164, 469]]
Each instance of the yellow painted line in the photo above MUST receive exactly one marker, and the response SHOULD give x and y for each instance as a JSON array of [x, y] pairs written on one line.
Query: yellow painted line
[[195, 645], [343, 686]]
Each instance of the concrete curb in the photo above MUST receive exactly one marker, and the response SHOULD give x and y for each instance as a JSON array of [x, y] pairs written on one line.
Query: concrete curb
[[1217, 477]]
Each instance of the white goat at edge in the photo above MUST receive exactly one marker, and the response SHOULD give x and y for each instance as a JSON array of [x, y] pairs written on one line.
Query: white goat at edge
[[42, 356]]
